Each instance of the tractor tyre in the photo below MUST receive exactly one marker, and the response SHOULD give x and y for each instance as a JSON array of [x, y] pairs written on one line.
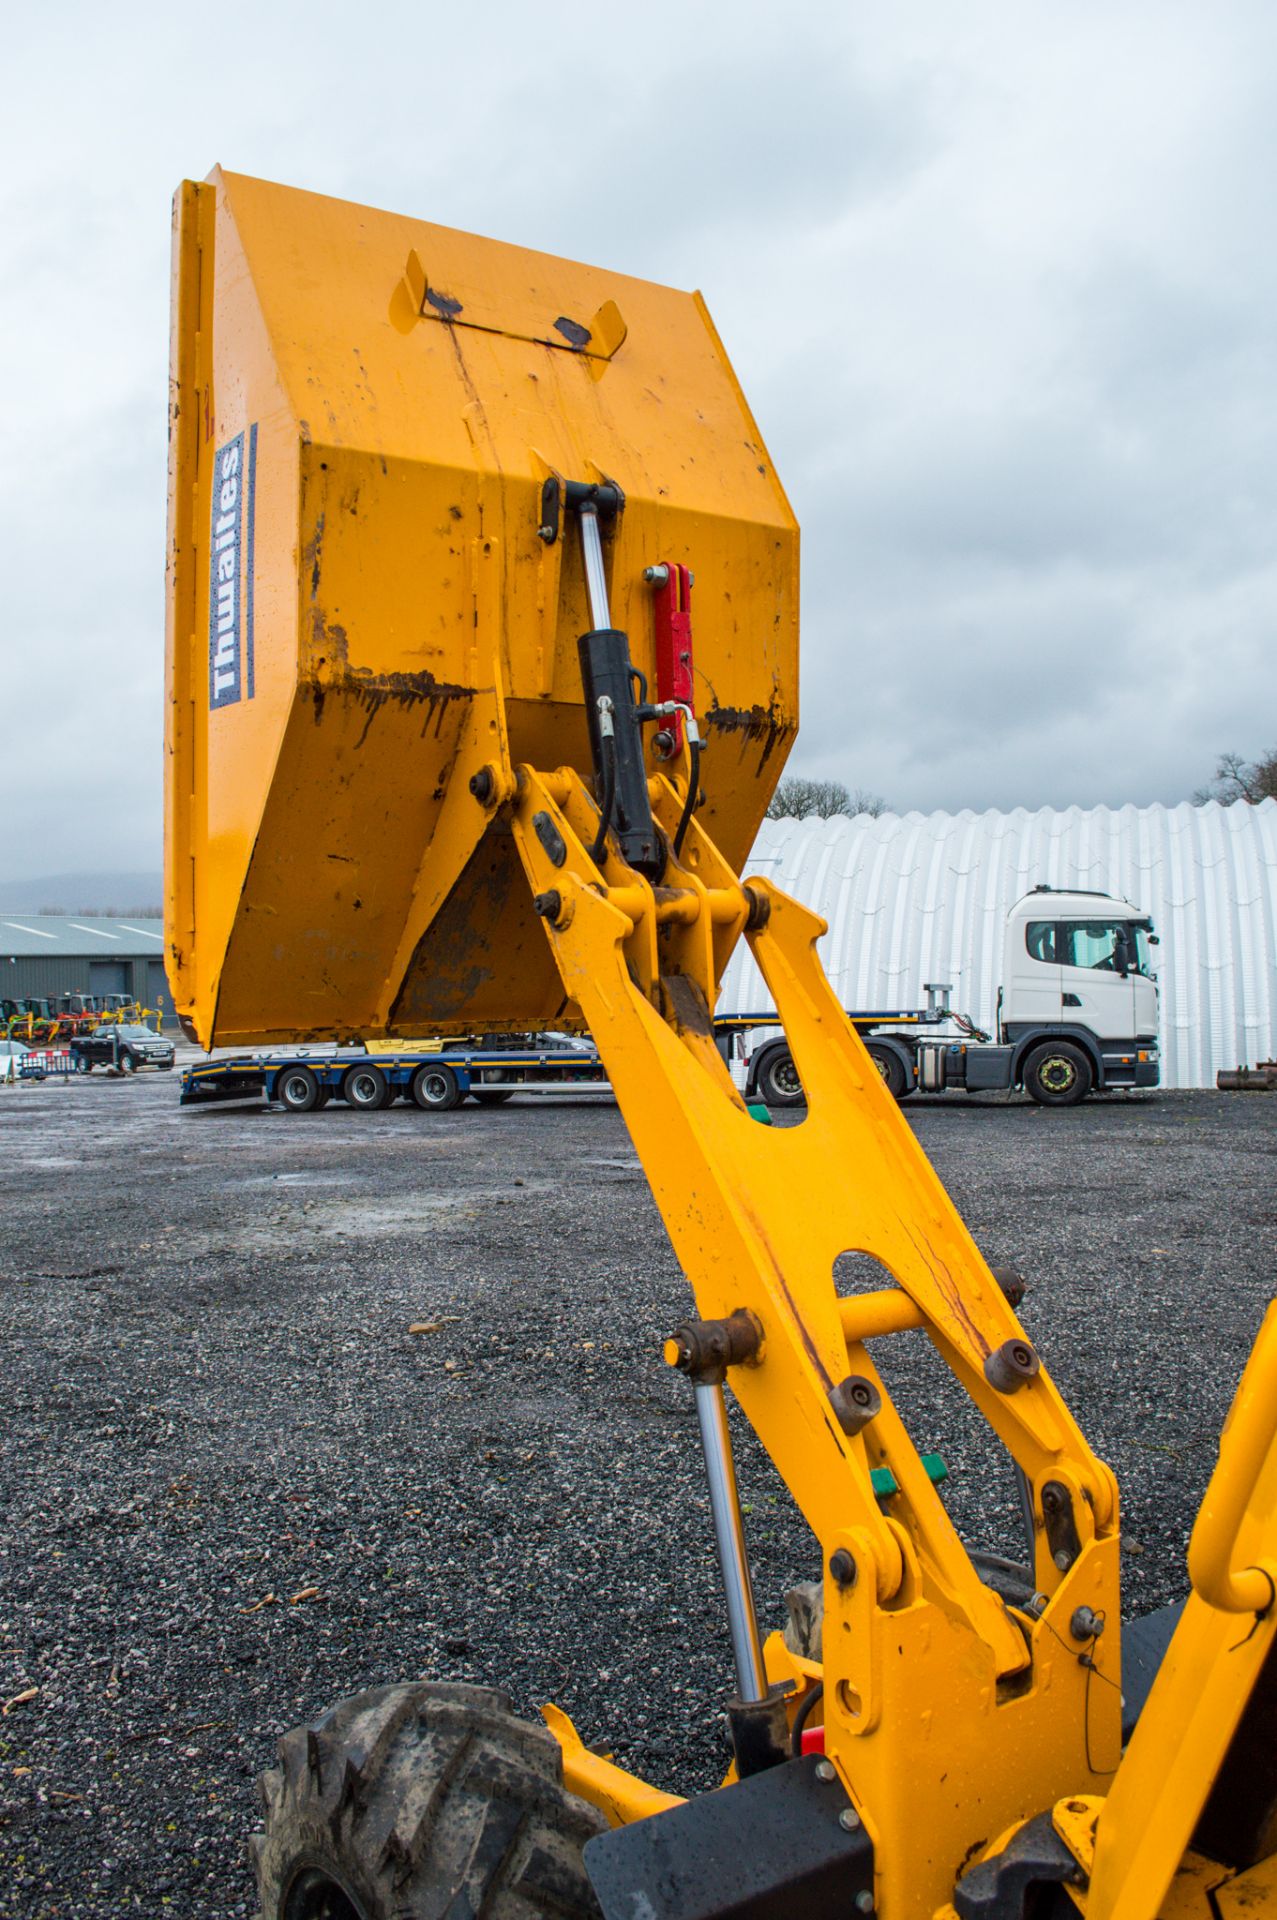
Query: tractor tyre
[[298, 1089], [421, 1802], [1057, 1074], [778, 1083], [435, 1089], [891, 1069], [366, 1088]]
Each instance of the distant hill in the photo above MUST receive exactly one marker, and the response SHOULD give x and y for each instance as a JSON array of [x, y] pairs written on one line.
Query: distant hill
[[130, 893]]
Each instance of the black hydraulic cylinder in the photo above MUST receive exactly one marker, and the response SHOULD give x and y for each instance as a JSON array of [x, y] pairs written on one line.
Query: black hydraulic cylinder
[[608, 676]]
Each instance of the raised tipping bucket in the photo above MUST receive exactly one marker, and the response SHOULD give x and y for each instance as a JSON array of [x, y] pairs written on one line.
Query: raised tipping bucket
[[366, 606]]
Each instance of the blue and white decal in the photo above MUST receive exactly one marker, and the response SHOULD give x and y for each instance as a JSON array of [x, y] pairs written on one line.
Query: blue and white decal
[[230, 577]]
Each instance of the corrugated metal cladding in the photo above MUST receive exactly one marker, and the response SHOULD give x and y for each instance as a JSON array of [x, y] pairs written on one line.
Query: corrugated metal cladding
[[919, 897], [46, 955]]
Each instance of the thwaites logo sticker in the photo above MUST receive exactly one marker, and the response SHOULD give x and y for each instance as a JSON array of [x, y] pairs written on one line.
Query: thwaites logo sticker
[[230, 574]]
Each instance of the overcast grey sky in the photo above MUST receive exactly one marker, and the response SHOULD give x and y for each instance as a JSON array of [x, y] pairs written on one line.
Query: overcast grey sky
[[998, 280]]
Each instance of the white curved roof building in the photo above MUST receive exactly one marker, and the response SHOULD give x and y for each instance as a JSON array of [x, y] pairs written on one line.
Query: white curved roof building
[[923, 897]]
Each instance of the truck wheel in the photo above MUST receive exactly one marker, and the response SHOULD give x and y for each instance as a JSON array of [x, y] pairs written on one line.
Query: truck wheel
[[777, 1082], [298, 1090], [408, 1802], [366, 1088], [435, 1088], [127, 1063], [891, 1069], [1057, 1074]]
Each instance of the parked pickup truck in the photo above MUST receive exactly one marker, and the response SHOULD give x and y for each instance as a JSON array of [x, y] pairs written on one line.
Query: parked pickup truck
[[126, 1048]]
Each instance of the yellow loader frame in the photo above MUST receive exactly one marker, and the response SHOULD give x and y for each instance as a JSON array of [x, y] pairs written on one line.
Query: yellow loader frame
[[390, 783]]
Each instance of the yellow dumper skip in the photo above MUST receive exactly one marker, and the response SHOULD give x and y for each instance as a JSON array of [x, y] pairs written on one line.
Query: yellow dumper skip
[[363, 612]]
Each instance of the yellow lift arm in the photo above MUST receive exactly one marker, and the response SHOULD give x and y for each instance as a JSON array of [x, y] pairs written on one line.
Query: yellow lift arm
[[419, 782]]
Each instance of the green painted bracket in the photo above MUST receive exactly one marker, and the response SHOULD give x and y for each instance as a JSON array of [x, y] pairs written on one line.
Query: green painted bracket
[[885, 1482]]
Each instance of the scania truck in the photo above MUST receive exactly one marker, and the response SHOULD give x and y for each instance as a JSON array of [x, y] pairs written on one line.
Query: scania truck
[[1076, 1014]]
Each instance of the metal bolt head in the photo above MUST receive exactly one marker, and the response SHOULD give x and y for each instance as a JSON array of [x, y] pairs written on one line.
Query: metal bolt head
[[849, 1820], [864, 1902], [842, 1568], [1062, 1560], [1086, 1624], [826, 1772]]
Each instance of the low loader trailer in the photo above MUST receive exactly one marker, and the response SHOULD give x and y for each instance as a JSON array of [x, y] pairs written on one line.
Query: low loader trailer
[[448, 753], [435, 1081], [444, 1076]]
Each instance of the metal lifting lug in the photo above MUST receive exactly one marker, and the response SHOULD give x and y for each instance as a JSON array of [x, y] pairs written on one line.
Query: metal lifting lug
[[855, 1401], [550, 837], [1011, 1366], [704, 1349], [1014, 1285]]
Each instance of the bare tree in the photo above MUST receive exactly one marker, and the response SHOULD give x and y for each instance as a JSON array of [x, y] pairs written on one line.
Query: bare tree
[[799, 799], [1238, 779], [862, 801]]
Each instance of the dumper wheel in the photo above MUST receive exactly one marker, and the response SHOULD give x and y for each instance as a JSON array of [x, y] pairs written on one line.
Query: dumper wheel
[[422, 1803], [436, 1089]]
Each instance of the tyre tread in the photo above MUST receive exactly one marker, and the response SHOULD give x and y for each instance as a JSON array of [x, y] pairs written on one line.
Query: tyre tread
[[420, 1795]]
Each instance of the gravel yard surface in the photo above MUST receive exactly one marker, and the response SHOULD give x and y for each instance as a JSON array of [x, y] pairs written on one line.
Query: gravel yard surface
[[235, 1485]]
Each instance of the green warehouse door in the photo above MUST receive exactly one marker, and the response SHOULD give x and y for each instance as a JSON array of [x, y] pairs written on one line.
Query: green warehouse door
[[109, 976], [158, 997]]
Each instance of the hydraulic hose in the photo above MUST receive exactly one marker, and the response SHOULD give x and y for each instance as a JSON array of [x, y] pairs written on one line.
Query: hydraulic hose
[[608, 802], [693, 788], [802, 1716]]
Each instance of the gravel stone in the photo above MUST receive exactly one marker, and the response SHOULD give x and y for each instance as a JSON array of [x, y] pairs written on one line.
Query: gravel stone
[[235, 1485]]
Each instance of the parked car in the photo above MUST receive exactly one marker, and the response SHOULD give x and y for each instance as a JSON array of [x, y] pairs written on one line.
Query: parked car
[[12, 1053], [124, 1047]]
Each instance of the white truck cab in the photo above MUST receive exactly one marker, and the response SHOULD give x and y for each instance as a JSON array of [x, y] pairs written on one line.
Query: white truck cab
[[1080, 966]]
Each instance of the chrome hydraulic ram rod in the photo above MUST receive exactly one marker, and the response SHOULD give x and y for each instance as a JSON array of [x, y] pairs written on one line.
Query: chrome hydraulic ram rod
[[729, 1532], [592, 554]]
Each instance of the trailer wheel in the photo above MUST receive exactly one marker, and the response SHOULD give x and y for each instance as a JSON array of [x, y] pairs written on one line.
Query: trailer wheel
[[298, 1089], [488, 1093], [778, 1081], [1057, 1074], [892, 1070], [367, 1088], [435, 1088], [408, 1800]]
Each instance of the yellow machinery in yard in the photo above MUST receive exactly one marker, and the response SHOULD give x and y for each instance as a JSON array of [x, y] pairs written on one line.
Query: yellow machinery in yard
[[448, 752]]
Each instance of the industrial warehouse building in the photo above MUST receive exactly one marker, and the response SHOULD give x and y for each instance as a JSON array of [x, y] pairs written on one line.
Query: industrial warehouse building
[[44, 955], [917, 897]]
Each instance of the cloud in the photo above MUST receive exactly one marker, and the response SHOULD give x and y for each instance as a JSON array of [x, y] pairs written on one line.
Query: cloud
[[997, 282]]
